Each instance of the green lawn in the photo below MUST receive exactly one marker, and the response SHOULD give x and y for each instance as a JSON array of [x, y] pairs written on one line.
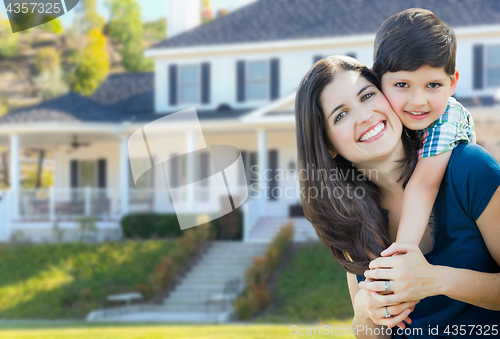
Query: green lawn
[[313, 287], [83, 330], [57, 281]]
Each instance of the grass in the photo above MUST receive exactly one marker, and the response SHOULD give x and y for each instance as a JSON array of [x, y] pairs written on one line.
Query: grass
[[83, 330], [58, 281], [313, 287]]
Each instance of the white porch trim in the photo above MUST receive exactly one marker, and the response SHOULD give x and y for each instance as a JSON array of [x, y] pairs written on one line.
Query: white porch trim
[[191, 163], [258, 115], [262, 169], [14, 174], [124, 175]]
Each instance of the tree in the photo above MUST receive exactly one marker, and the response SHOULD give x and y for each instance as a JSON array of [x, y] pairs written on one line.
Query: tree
[[89, 19], [155, 30], [8, 41], [92, 60], [50, 75], [125, 26], [93, 66], [54, 26]]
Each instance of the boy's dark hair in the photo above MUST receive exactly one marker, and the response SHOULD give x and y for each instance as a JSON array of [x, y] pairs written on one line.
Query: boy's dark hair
[[412, 38]]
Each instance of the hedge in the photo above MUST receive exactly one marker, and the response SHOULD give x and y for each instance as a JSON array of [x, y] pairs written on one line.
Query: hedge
[[151, 225]]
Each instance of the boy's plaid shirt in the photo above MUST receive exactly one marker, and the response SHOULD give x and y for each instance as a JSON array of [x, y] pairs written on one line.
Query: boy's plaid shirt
[[444, 134]]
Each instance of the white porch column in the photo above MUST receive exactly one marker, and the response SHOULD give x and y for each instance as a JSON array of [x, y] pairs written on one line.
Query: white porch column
[[191, 167], [14, 174], [262, 168], [124, 175]]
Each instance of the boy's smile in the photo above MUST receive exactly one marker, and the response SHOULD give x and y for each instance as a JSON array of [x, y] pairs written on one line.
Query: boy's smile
[[419, 97]]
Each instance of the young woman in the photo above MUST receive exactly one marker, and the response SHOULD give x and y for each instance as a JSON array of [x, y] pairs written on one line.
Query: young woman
[[349, 135]]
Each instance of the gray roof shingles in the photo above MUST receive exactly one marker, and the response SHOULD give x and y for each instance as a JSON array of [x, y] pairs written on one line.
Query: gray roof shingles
[[271, 20], [70, 107]]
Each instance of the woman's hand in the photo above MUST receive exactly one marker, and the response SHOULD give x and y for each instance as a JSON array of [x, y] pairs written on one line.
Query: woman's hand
[[409, 274], [368, 306]]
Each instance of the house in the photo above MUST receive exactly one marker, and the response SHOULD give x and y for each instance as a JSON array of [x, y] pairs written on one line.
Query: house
[[240, 72]]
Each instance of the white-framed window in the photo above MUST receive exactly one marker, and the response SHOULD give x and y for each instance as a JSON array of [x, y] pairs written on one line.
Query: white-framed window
[[257, 83], [88, 173], [189, 84], [492, 66]]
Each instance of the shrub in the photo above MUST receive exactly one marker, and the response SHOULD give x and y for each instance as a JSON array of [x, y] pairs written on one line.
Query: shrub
[[273, 257], [86, 301], [256, 276], [179, 255], [144, 225], [163, 273], [261, 296], [244, 306]]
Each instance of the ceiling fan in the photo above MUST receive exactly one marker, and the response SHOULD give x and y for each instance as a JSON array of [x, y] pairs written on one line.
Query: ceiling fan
[[76, 144]]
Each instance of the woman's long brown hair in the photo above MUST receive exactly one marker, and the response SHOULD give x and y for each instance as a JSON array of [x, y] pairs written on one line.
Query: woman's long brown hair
[[352, 227]]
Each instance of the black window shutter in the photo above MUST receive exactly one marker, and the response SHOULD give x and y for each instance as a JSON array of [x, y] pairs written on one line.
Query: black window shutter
[[204, 167], [478, 66], [172, 83], [275, 78], [205, 83], [174, 171], [101, 173], [352, 55], [74, 173], [240, 81], [272, 158], [74, 179], [254, 160], [317, 58]]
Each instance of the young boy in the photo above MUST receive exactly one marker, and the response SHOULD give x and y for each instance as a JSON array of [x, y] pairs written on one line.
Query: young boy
[[415, 59]]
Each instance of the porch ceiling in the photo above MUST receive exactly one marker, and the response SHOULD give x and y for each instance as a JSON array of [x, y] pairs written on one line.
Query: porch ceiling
[[51, 139]]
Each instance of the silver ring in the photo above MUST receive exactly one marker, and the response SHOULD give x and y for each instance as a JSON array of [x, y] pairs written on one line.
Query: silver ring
[[387, 314], [387, 286]]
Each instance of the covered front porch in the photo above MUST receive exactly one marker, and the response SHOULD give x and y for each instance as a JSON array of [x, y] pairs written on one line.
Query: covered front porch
[[94, 178]]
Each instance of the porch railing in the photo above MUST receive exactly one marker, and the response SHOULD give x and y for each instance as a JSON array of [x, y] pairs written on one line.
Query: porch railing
[[70, 203], [64, 203]]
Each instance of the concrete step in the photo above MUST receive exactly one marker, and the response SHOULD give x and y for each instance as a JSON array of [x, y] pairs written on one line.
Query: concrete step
[[195, 298], [212, 282], [222, 261], [266, 228], [227, 260], [189, 289], [222, 277], [213, 307]]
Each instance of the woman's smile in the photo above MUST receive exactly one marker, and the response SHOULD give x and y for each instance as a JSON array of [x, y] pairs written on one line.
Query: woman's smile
[[374, 132]]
